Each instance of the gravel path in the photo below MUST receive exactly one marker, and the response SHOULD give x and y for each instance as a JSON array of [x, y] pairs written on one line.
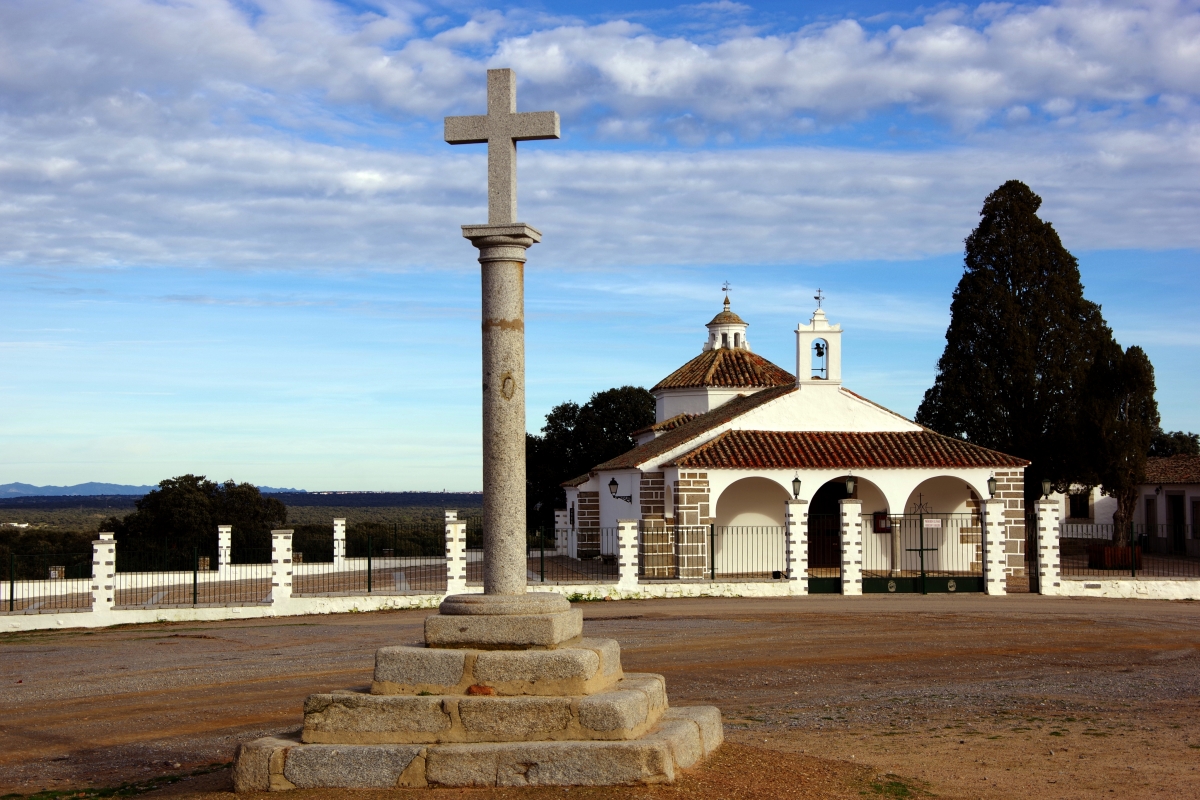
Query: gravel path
[[961, 696]]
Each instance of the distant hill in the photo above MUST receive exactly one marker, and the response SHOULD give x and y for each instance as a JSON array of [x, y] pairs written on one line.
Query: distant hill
[[384, 499], [94, 490], [289, 498]]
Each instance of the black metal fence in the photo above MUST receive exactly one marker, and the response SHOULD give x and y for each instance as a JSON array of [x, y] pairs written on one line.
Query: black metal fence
[[668, 552], [175, 578], [406, 558], [48, 582], [1136, 551], [923, 553]]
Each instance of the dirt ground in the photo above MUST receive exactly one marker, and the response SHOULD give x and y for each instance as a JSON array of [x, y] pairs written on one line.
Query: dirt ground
[[952, 696]]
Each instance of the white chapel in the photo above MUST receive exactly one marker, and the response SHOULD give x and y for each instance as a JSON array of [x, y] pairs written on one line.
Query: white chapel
[[736, 437]]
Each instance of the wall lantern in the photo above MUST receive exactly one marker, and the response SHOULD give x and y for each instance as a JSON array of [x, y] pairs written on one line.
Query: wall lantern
[[1046, 488], [796, 487], [850, 486], [992, 486], [612, 489]]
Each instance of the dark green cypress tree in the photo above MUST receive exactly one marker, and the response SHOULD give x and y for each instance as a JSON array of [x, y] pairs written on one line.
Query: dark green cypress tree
[[1120, 419], [1021, 341]]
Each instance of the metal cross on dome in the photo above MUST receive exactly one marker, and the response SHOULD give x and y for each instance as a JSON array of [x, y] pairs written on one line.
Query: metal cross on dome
[[502, 127]]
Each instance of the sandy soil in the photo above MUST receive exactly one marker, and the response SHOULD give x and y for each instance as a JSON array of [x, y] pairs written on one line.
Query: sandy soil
[[956, 696]]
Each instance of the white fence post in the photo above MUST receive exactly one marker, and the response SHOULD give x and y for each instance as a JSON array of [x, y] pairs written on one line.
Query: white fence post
[[795, 549], [852, 546], [1048, 566], [224, 546], [104, 573], [456, 554], [995, 559], [561, 529], [281, 567], [339, 543], [627, 550]]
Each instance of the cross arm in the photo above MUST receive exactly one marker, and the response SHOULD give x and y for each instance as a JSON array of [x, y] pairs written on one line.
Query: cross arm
[[534, 125], [467, 130]]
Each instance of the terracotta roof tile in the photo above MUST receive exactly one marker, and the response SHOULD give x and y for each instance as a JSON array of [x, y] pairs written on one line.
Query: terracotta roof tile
[[578, 481], [693, 428], [832, 450], [1173, 469], [733, 368], [666, 424]]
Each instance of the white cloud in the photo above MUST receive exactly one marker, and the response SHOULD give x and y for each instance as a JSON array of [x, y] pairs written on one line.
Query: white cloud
[[213, 132]]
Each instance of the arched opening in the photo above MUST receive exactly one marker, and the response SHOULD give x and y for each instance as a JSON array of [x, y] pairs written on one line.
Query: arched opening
[[940, 534], [820, 360], [945, 494], [825, 518], [748, 540]]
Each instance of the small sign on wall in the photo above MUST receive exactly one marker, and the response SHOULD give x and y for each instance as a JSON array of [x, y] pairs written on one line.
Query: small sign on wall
[[933, 523]]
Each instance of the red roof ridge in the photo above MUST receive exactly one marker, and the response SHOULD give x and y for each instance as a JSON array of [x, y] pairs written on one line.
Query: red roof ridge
[[726, 412], [754, 449]]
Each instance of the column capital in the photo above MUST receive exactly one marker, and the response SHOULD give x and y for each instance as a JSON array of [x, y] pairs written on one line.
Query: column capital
[[502, 242]]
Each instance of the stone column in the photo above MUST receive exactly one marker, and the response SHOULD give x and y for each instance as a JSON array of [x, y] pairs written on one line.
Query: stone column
[[456, 554], [502, 259], [281, 567], [104, 573], [339, 543], [224, 546], [795, 525], [1047, 556], [897, 550], [852, 546], [995, 559], [627, 555]]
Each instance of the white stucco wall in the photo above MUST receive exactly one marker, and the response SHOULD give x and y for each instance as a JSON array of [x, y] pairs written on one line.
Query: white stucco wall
[[751, 501], [672, 402]]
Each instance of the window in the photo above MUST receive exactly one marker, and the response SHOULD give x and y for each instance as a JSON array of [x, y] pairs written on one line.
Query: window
[[737, 340], [882, 522], [724, 340], [1080, 506]]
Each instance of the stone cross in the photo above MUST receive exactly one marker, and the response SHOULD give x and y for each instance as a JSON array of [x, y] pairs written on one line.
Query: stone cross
[[502, 244], [502, 127]]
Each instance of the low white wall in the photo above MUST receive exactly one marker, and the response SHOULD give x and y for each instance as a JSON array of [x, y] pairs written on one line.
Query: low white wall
[[1136, 589], [292, 607]]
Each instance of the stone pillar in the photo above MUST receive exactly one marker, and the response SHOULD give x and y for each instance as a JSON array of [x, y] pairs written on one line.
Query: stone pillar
[[104, 573], [502, 259], [562, 529], [339, 543], [281, 566], [627, 555], [897, 551], [456, 554], [1047, 556], [795, 526], [852, 546], [995, 559], [224, 546]]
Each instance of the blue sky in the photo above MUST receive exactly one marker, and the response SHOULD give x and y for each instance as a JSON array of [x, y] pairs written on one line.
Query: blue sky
[[229, 231]]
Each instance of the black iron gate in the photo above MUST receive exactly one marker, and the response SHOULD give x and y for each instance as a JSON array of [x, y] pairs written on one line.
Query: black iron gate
[[824, 554], [923, 553]]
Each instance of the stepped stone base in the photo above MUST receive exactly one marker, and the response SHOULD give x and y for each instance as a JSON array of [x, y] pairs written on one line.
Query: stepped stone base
[[681, 738], [505, 692]]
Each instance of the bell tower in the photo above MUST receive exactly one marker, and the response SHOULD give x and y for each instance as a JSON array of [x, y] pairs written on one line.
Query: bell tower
[[818, 350]]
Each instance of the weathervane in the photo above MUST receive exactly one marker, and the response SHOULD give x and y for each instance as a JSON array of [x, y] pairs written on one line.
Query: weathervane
[[725, 287], [818, 297]]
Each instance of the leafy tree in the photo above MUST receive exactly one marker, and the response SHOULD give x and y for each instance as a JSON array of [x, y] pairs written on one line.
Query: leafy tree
[[1121, 418], [185, 511], [1174, 443], [1021, 342], [576, 438]]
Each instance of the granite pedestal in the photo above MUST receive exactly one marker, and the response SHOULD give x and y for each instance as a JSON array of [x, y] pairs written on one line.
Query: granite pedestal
[[505, 691]]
